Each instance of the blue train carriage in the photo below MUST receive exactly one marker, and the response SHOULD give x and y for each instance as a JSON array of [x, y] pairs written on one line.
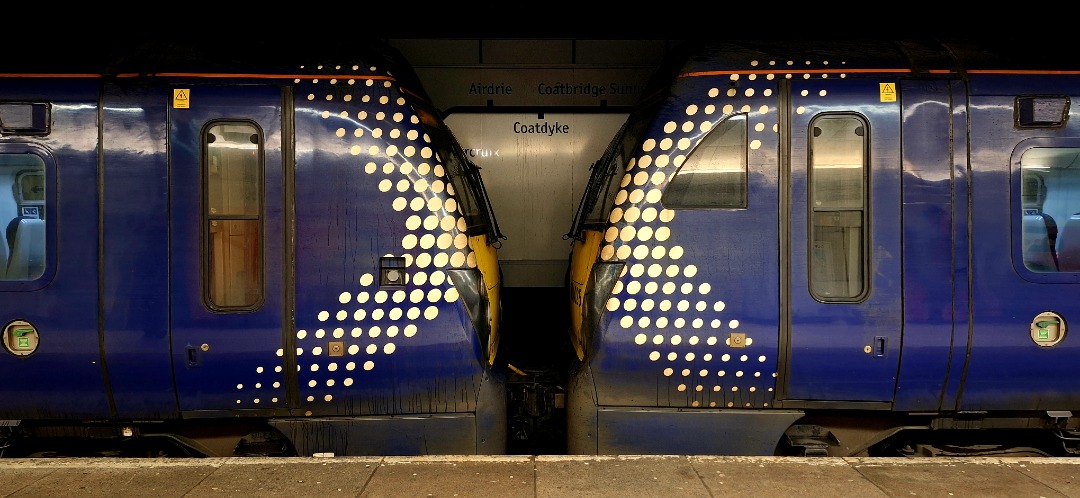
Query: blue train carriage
[[205, 259], [833, 249]]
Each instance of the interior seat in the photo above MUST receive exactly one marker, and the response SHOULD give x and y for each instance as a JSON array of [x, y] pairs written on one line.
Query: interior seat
[[26, 240]]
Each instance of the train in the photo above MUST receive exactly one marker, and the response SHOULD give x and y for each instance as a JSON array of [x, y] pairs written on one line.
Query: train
[[210, 250], [834, 248], [790, 247]]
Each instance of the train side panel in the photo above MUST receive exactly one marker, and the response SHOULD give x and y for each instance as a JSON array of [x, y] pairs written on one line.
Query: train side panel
[[844, 240], [793, 322], [1025, 191], [896, 270], [934, 189], [52, 362], [226, 267], [382, 330], [409, 347], [665, 340], [292, 264], [135, 235]]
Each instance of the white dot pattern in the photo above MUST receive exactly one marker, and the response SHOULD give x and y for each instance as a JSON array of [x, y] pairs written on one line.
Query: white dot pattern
[[685, 327], [390, 149]]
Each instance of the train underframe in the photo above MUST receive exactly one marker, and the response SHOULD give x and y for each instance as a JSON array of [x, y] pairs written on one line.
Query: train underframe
[[873, 433], [536, 420], [138, 439]]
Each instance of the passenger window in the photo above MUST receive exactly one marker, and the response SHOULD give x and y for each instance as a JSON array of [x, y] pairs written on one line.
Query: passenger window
[[837, 199], [714, 174], [232, 163], [1050, 209], [22, 214]]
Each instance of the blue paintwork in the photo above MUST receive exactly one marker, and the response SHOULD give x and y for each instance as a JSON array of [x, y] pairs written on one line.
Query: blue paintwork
[[827, 359], [338, 243], [949, 293], [1006, 371], [624, 372], [242, 366], [931, 344], [127, 344], [136, 249], [64, 379]]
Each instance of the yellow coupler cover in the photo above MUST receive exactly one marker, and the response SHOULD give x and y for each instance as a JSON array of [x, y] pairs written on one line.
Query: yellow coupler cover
[[487, 260], [582, 257]]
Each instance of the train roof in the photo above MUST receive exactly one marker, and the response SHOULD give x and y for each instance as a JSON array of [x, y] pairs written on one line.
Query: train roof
[[944, 58], [915, 56], [219, 59], [158, 56], [150, 56]]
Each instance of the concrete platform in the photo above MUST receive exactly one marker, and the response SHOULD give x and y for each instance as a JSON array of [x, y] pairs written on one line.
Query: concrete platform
[[541, 476]]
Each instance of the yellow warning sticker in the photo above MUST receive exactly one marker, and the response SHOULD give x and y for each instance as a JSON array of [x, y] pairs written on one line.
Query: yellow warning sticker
[[888, 92], [181, 98]]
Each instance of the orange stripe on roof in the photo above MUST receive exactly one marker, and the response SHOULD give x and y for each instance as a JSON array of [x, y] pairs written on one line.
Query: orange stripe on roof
[[873, 71], [255, 76], [798, 71], [1023, 71], [199, 75], [49, 75]]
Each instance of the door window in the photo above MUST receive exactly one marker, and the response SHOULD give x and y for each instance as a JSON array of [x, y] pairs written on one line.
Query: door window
[[233, 174], [837, 208]]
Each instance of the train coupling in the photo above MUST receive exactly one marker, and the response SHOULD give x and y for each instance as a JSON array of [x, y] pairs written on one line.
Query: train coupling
[[535, 403]]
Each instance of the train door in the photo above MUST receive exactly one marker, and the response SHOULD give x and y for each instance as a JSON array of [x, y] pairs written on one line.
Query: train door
[[843, 297], [226, 247]]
